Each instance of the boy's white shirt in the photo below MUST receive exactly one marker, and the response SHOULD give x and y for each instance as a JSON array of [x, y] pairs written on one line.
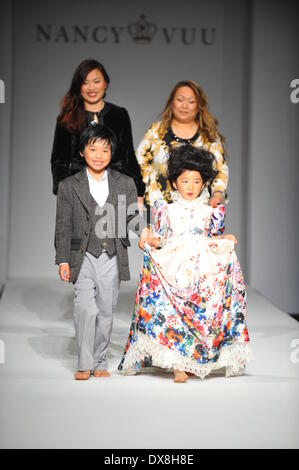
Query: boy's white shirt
[[98, 189]]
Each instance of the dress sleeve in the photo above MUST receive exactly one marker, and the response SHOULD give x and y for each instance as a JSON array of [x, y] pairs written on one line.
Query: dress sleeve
[[217, 224], [61, 155], [145, 156], [64, 223], [160, 219], [221, 180], [128, 157]]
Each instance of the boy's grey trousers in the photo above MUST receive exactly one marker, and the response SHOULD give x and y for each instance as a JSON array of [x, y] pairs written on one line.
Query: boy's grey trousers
[[96, 294]]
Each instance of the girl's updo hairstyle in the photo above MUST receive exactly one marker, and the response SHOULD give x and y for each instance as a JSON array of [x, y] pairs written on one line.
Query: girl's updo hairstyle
[[187, 157]]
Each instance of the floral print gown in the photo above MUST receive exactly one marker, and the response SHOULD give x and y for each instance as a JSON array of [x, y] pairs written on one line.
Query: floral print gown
[[190, 308]]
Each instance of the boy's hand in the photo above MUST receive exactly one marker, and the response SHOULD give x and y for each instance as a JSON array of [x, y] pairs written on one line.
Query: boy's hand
[[65, 272]]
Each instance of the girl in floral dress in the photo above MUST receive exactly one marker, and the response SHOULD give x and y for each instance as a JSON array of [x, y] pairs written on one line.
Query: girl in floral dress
[[190, 309]]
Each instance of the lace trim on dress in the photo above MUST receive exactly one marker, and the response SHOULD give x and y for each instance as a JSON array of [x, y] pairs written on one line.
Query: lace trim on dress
[[203, 198], [233, 358]]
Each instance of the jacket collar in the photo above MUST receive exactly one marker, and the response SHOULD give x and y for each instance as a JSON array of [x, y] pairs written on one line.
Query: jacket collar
[[82, 186]]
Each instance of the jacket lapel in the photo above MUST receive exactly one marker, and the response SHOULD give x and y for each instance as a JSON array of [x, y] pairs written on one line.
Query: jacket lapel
[[81, 187], [113, 184]]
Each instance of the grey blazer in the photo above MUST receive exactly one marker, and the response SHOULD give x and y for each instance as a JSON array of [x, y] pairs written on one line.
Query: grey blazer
[[73, 219]]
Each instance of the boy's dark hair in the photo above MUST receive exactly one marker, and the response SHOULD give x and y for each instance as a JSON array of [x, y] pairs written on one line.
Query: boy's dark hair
[[187, 157], [96, 132]]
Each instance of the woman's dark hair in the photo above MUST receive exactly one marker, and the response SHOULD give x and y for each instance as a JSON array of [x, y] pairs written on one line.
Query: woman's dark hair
[[95, 132], [72, 115], [187, 157]]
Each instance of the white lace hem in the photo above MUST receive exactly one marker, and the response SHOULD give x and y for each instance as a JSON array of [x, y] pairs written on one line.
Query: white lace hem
[[233, 358]]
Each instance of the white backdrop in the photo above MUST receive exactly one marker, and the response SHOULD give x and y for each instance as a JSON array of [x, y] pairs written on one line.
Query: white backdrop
[[274, 157], [142, 76], [232, 71]]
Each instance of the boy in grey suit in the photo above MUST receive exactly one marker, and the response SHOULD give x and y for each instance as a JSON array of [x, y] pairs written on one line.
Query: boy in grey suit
[[95, 210]]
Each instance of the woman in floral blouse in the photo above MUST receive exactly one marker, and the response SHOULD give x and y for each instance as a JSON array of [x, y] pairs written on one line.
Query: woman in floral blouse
[[184, 120]]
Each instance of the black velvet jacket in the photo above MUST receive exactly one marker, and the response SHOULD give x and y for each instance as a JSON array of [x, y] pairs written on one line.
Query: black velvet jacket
[[66, 160]]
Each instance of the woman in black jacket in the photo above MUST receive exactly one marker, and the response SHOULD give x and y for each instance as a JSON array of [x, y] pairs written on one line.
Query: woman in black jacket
[[83, 104]]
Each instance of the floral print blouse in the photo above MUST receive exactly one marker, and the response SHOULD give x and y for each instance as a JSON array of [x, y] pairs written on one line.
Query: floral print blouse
[[153, 153]]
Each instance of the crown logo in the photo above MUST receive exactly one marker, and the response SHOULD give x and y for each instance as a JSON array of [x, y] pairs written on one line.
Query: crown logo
[[142, 31]]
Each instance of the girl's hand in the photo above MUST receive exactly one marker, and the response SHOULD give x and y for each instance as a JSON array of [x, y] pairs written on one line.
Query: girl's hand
[[142, 242], [155, 242], [65, 272], [144, 237], [232, 237], [147, 237], [216, 199], [141, 206]]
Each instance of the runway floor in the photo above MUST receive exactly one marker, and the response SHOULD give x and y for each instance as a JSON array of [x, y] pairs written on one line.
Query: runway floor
[[41, 406]]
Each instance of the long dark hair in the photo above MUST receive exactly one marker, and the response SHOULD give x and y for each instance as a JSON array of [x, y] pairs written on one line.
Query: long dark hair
[[72, 115]]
